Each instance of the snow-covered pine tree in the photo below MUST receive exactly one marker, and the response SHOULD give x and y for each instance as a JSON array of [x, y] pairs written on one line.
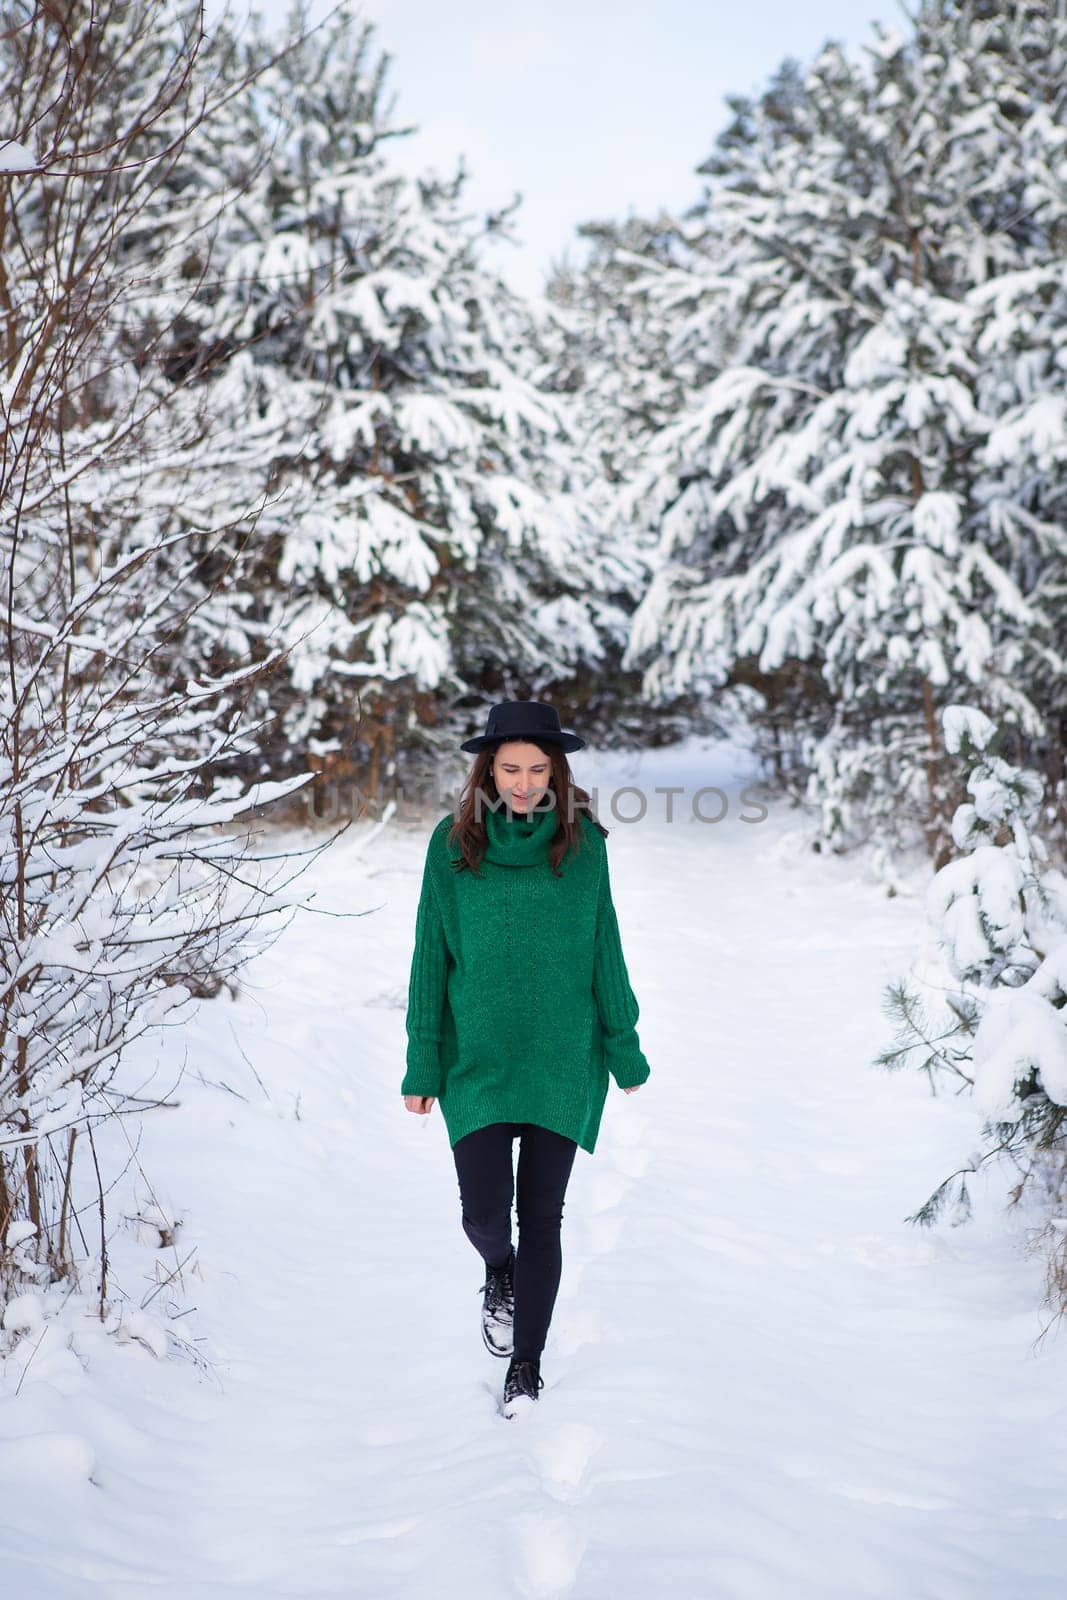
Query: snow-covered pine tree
[[607, 342], [668, 498], [986, 1005], [857, 528], [428, 524]]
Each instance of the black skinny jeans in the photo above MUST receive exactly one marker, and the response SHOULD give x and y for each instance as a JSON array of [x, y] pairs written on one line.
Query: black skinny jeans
[[487, 1188]]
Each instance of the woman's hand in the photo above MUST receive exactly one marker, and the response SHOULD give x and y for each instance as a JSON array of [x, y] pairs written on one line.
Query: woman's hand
[[420, 1103], [632, 1089]]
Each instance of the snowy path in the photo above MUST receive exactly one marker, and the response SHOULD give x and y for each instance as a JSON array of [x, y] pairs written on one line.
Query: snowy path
[[760, 1383]]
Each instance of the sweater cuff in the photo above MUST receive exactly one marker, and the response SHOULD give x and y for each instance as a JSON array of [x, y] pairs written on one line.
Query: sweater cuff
[[625, 1059], [423, 1075]]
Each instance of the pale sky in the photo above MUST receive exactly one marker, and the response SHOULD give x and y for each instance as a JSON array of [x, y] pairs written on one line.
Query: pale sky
[[590, 109]]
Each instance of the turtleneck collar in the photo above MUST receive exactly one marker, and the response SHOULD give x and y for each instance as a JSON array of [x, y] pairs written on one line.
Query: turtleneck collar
[[520, 841]]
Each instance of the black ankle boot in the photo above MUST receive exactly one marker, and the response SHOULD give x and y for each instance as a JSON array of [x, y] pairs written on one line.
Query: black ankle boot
[[498, 1307], [521, 1385]]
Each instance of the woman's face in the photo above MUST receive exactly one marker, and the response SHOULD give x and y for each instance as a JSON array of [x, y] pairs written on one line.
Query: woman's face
[[522, 771]]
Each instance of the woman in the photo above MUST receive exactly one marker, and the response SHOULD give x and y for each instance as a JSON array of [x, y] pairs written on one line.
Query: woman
[[519, 1006]]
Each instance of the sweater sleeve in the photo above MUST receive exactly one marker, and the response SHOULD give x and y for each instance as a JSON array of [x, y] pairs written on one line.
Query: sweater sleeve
[[426, 994], [615, 1000]]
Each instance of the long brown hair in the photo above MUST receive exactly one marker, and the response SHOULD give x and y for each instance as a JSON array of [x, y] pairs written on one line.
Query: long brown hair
[[469, 832]]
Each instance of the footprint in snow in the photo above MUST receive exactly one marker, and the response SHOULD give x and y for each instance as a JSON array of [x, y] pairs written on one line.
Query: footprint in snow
[[563, 1456], [548, 1548]]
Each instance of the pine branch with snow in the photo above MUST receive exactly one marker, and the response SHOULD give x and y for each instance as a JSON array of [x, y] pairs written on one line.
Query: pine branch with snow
[[987, 1003], [859, 509], [427, 515]]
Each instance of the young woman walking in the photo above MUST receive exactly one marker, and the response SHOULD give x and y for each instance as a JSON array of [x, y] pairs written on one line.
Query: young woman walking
[[519, 1007]]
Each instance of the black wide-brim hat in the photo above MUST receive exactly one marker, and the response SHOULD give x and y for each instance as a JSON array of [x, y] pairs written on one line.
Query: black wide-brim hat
[[523, 719]]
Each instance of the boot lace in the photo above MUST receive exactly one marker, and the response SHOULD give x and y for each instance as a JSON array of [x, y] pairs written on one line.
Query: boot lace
[[499, 1289], [524, 1377]]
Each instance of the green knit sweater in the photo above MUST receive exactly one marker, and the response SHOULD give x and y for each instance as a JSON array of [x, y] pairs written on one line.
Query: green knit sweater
[[519, 1002]]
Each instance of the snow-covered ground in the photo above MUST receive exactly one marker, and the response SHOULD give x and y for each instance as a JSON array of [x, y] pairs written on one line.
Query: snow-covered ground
[[761, 1383]]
